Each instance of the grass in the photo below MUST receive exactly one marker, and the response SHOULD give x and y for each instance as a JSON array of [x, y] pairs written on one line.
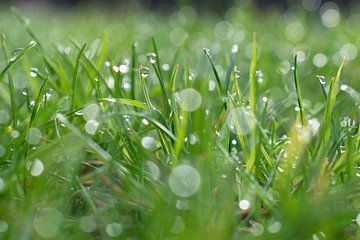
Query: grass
[[178, 127]]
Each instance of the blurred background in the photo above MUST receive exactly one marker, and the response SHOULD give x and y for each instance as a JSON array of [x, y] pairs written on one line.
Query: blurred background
[[212, 5]]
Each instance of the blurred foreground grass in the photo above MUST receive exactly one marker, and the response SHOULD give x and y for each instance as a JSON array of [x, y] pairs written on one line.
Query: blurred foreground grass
[[184, 126]]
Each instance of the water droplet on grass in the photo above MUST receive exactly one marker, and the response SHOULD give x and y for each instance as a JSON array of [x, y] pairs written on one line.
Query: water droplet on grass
[[344, 87], [189, 99], [234, 48], [178, 226], [35, 167], [91, 111], [212, 85], [148, 142], [244, 204], [3, 226], [33, 136], [297, 109], [124, 68], [241, 121], [274, 227], [115, 68], [15, 134], [153, 169], [107, 64], [114, 229], [321, 79], [91, 126], [88, 224], [145, 72], [152, 58], [47, 222], [184, 181]]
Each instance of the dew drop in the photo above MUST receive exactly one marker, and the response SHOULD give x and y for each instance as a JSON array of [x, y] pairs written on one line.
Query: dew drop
[[47, 222], [115, 68], [3, 226], [107, 64], [241, 121], [297, 109], [178, 226], [344, 87], [244, 204], [189, 99], [212, 85], [33, 136], [321, 79], [114, 229], [124, 68], [145, 72], [91, 126], [184, 181], [165, 67], [274, 227], [148, 143], [152, 58], [153, 169], [15, 134], [234, 48], [91, 111], [35, 167]]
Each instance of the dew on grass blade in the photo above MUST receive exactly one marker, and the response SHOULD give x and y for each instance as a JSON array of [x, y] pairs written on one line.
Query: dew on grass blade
[[124, 68], [189, 99], [241, 121], [145, 72], [115, 68], [153, 169], [321, 79], [107, 64], [91, 126], [234, 48], [344, 87], [88, 224], [244, 204], [193, 139], [274, 227], [184, 181], [178, 226], [91, 112], [257, 229], [182, 204], [15, 134], [148, 142], [3, 226], [152, 57], [33, 136], [114, 229], [35, 167], [212, 85], [47, 222]]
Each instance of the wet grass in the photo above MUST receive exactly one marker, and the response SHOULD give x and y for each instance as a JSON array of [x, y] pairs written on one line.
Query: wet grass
[[179, 127]]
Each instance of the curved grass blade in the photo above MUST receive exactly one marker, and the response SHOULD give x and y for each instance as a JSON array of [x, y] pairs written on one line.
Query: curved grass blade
[[75, 78], [16, 58], [11, 85], [38, 98], [216, 74], [298, 92]]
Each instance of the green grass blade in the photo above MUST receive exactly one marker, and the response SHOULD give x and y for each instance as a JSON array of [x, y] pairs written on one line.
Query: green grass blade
[[124, 101], [216, 74], [298, 92], [75, 79], [16, 58]]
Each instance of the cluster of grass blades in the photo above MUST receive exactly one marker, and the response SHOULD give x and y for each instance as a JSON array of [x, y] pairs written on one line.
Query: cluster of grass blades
[[99, 149]]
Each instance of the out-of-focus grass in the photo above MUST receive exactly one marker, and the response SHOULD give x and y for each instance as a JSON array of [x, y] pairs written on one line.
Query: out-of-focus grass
[[171, 127]]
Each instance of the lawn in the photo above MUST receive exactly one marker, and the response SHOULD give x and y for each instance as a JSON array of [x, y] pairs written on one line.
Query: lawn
[[137, 124]]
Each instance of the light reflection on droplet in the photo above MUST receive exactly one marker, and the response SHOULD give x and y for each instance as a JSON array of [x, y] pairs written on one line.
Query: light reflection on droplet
[[184, 181], [152, 58], [35, 167], [91, 126], [114, 229], [124, 68], [47, 222], [212, 85], [148, 142], [244, 204], [33, 136], [91, 111], [189, 99]]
